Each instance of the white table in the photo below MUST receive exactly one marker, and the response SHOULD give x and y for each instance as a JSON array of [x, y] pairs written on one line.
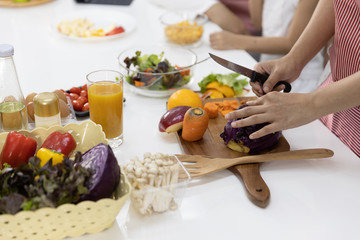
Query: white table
[[310, 199]]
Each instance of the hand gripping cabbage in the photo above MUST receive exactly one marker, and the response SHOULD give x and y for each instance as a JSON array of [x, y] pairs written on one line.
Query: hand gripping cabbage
[[238, 139]]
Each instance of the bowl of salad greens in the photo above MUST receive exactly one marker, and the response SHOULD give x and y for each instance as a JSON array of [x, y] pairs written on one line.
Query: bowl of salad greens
[[157, 71]]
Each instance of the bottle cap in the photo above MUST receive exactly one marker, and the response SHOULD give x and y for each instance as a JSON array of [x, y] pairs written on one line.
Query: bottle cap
[[46, 104], [6, 50]]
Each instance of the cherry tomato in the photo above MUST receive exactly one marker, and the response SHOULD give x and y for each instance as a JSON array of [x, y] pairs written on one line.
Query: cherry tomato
[[67, 94], [84, 87], [77, 105], [83, 93], [76, 90], [74, 96], [82, 99], [85, 107], [116, 30]]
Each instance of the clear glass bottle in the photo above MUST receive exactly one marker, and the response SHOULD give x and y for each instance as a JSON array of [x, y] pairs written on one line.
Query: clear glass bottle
[[13, 114]]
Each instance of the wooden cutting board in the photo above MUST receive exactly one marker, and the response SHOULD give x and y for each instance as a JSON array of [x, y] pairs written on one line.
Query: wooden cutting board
[[10, 3], [213, 145]]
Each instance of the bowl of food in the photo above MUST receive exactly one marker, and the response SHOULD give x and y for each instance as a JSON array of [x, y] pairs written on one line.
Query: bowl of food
[[183, 29], [59, 198], [157, 70], [158, 182]]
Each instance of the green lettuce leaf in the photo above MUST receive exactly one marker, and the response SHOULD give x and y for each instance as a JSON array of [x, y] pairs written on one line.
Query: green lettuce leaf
[[232, 80]]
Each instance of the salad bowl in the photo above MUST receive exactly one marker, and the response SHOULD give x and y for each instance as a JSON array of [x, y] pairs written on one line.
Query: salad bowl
[[157, 70]]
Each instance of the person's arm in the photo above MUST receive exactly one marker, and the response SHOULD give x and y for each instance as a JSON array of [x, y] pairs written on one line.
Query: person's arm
[[226, 19], [289, 110], [318, 32], [255, 9], [269, 45]]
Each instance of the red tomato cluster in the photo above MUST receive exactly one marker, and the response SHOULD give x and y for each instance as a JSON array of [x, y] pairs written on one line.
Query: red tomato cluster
[[79, 98]]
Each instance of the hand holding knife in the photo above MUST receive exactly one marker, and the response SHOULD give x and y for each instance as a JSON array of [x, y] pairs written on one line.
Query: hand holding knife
[[253, 75]]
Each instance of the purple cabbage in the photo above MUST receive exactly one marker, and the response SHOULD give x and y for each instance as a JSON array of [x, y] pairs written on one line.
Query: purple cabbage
[[238, 138], [106, 172]]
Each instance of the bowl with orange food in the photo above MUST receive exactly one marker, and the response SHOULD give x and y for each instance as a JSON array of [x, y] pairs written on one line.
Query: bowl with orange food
[[185, 29]]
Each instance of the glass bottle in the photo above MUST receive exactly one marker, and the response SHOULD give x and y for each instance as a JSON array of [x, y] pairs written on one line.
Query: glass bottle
[[13, 114]]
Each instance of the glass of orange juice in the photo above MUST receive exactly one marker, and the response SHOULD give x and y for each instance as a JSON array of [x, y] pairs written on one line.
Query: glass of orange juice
[[105, 96]]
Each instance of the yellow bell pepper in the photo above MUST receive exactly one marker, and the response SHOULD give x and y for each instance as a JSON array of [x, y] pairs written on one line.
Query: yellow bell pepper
[[45, 155]]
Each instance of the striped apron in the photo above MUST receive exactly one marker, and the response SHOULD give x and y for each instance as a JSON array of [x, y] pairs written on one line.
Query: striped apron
[[345, 61]]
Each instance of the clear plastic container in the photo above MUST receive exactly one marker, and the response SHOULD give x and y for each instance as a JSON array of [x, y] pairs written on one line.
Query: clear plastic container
[[158, 191], [13, 114]]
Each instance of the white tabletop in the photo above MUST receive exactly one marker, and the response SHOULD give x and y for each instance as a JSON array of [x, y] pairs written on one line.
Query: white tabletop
[[310, 199]]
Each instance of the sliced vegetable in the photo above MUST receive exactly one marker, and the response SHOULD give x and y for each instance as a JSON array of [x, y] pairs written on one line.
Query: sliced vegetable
[[238, 139], [172, 120], [61, 142], [115, 31], [195, 123], [45, 155], [231, 80], [212, 109], [106, 172], [17, 149]]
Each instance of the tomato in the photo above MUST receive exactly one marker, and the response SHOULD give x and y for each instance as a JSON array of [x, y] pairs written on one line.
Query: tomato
[[116, 30], [67, 94], [82, 99], [76, 90], [85, 107], [77, 105], [74, 96], [84, 87], [83, 93]]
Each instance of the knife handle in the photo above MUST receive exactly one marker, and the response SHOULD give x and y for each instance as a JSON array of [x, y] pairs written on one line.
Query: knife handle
[[261, 78], [256, 189]]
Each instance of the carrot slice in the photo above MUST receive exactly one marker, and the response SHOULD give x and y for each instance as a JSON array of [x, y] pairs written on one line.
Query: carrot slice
[[212, 109]]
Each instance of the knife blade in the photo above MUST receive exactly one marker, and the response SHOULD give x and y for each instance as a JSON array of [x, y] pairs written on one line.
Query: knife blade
[[253, 75]]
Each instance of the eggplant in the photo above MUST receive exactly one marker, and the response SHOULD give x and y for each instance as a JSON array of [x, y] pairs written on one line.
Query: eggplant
[[238, 139], [106, 172]]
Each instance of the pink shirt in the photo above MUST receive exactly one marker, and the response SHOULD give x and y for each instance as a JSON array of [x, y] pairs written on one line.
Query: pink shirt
[[345, 61], [241, 9]]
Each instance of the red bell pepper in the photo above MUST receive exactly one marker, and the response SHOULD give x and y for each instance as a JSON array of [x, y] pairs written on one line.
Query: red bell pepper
[[61, 142], [17, 149]]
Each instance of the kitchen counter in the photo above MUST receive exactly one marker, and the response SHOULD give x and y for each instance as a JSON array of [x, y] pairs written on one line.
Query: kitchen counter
[[310, 199]]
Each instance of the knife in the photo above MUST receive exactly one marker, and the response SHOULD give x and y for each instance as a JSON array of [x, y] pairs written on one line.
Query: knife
[[253, 75]]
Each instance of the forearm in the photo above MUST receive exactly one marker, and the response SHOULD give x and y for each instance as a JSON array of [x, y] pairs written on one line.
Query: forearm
[[317, 33], [338, 96], [269, 45], [226, 19]]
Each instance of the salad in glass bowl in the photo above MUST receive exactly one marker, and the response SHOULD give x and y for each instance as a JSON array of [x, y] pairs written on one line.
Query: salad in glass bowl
[[157, 71]]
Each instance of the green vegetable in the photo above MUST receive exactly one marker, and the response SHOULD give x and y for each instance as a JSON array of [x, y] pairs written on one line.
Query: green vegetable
[[30, 186], [230, 80], [154, 67]]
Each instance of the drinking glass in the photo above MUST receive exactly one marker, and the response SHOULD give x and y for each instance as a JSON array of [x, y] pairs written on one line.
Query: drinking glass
[[105, 96]]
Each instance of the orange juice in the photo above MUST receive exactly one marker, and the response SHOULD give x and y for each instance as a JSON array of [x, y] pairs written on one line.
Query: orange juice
[[106, 107]]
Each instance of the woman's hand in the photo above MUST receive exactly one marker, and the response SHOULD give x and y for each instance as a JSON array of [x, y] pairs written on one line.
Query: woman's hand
[[281, 110], [283, 69]]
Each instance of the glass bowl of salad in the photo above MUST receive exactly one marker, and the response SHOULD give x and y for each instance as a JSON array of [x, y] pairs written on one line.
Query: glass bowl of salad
[[157, 71]]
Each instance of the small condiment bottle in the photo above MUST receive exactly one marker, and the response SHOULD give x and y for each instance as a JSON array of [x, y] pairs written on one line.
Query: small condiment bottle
[[46, 110]]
